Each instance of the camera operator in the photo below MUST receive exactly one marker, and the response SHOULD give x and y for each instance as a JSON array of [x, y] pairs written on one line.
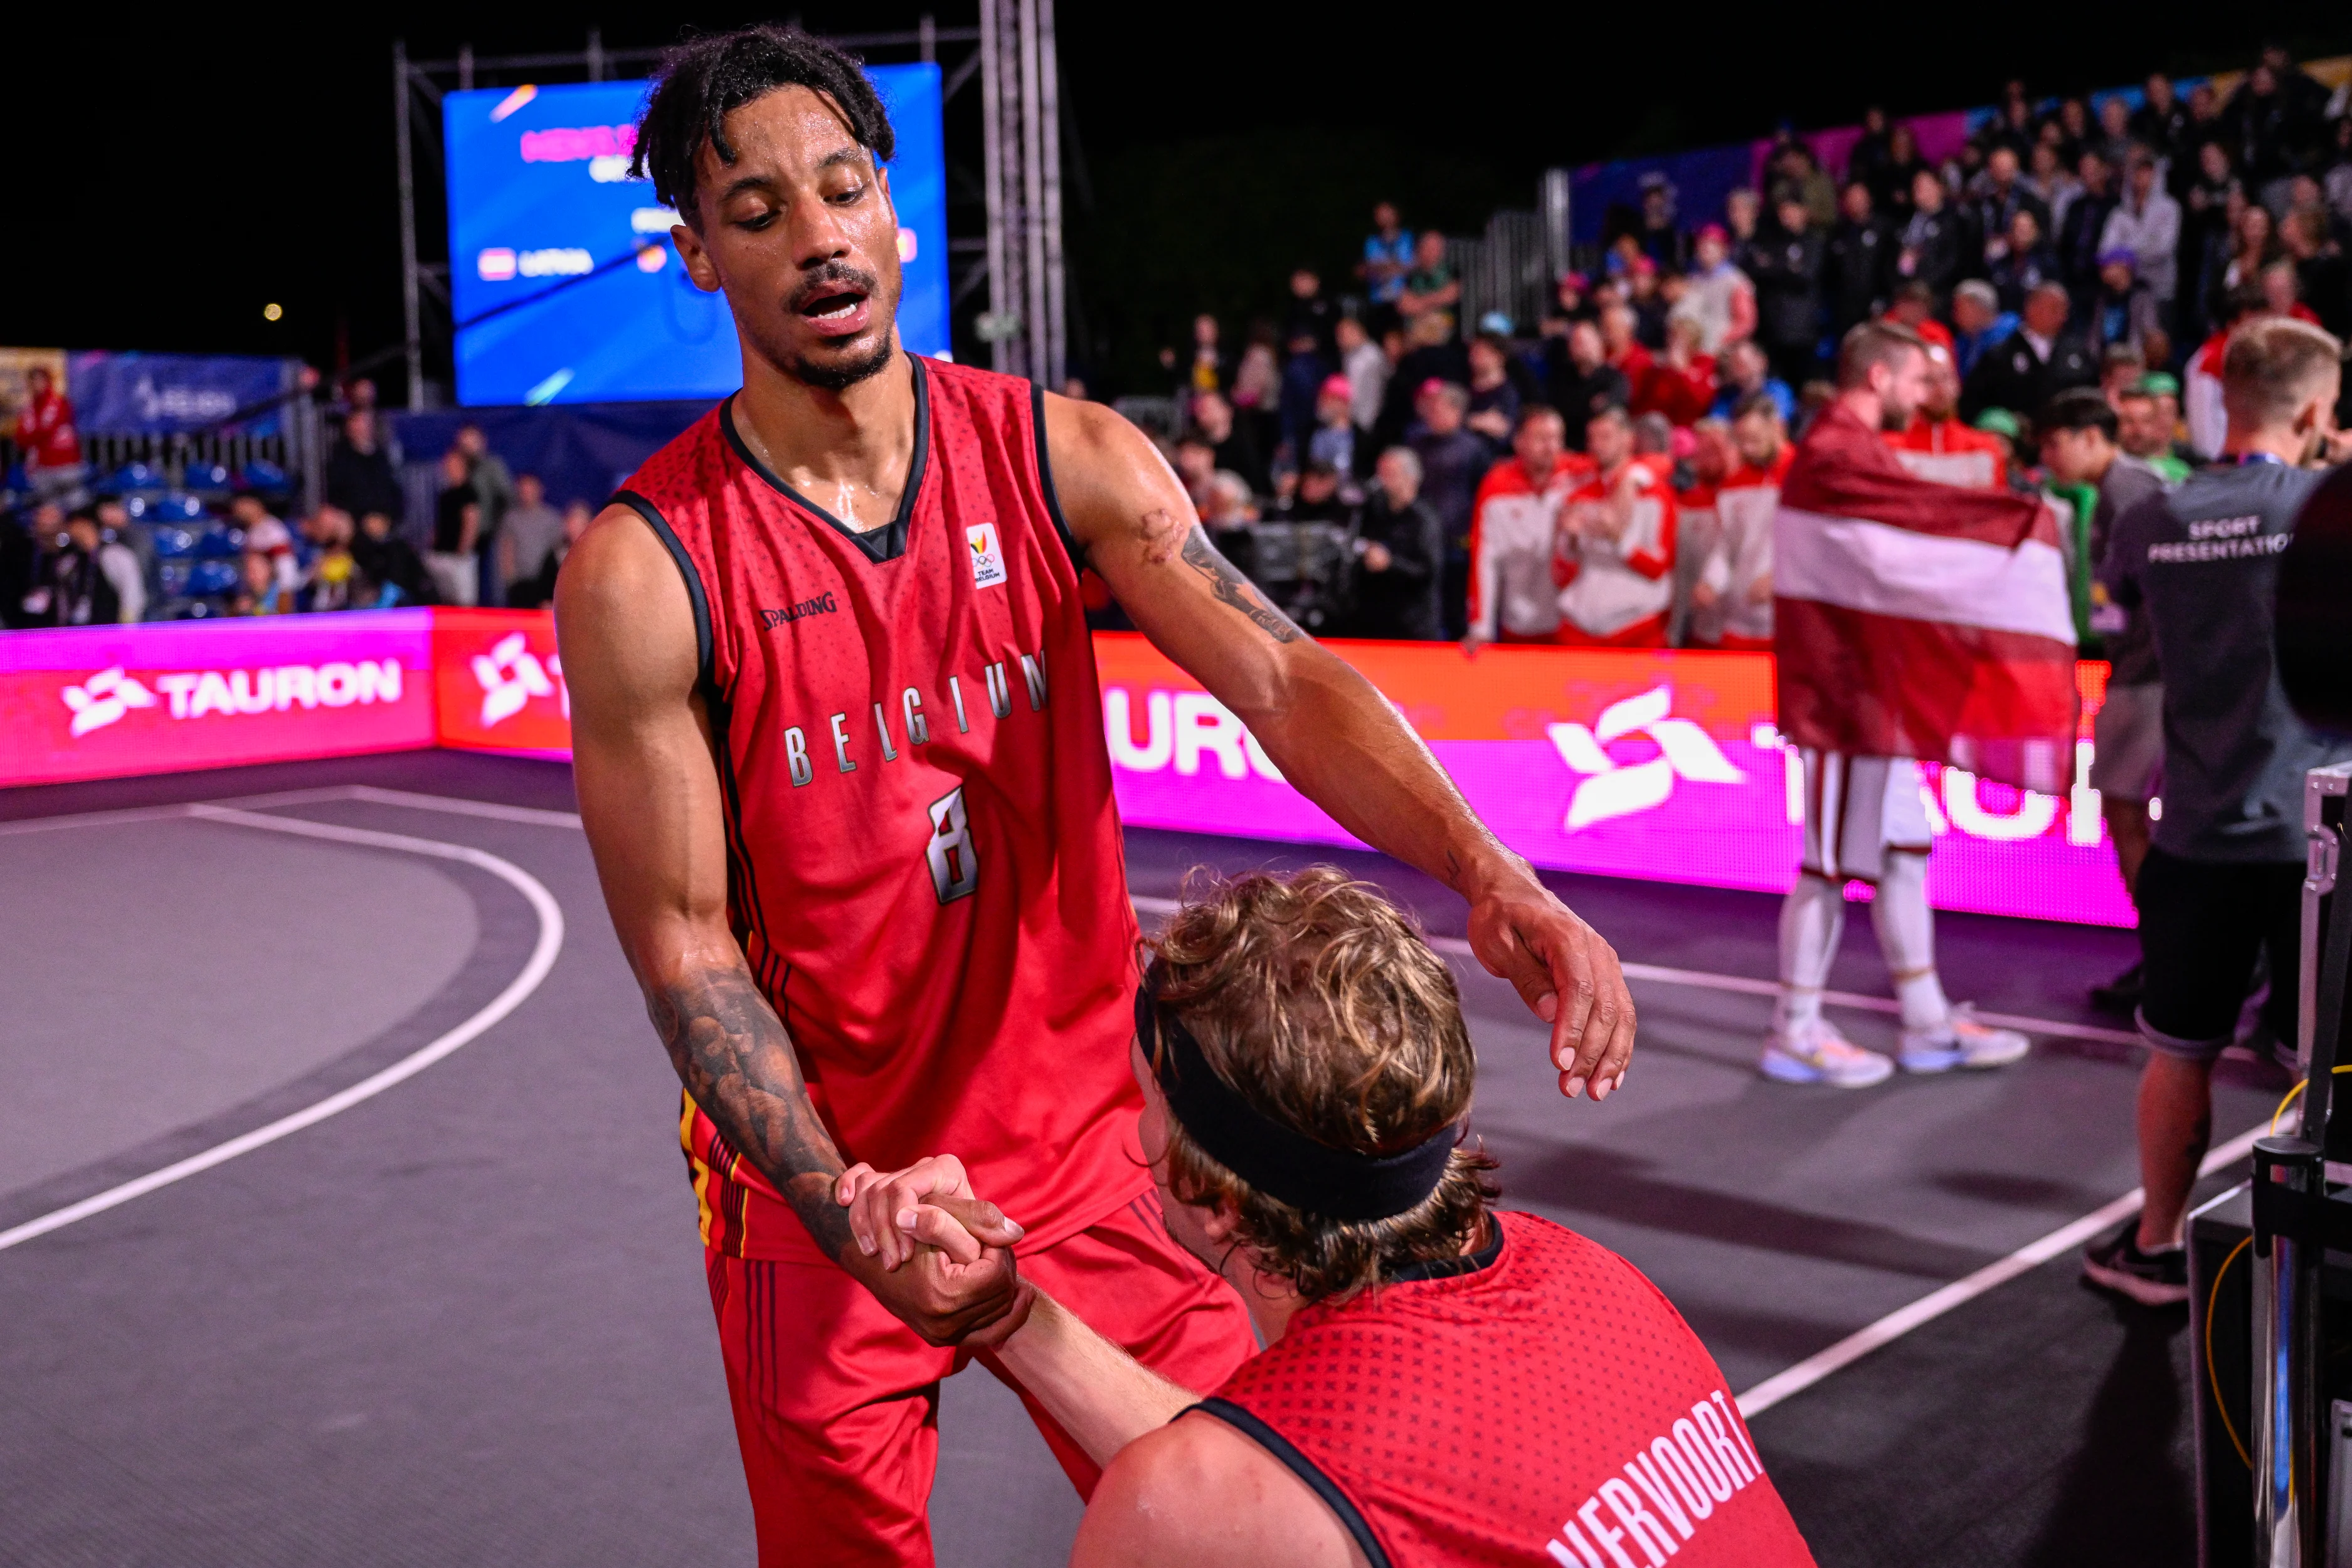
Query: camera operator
[[2223, 874], [1400, 548], [1299, 553]]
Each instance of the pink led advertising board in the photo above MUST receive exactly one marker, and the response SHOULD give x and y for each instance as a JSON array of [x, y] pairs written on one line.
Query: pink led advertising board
[[1627, 763], [87, 702], [1664, 765]]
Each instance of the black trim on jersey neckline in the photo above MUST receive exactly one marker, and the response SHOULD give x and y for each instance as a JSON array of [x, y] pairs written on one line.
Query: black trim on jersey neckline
[[1305, 1468], [1045, 479], [885, 543], [1454, 1267], [686, 569]]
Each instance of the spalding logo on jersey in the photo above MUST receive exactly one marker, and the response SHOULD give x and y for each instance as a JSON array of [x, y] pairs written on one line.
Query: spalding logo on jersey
[[987, 555]]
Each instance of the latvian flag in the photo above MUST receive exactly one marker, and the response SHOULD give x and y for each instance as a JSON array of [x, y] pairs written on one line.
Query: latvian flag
[[1918, 619]]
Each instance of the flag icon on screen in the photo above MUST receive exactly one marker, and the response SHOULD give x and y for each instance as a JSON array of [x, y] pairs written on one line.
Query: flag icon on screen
[[496, 265]]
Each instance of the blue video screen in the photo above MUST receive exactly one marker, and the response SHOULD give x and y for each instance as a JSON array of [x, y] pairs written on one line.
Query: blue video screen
[[563, 267]]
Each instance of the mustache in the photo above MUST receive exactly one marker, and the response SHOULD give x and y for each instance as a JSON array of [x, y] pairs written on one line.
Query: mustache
[[830, 277]]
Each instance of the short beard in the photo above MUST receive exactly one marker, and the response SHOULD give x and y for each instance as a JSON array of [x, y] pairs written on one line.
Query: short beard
[[843, 376], [1891, 421]]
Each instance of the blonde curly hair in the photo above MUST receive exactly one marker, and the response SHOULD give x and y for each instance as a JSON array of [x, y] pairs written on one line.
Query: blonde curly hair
[[1316, 999]]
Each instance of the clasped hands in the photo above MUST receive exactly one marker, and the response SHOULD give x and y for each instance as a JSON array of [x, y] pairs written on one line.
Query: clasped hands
[[933, 1252]]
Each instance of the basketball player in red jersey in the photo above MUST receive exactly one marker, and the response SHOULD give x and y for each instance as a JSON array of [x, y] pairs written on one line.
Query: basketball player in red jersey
[[839, 751], [1434, 1388]]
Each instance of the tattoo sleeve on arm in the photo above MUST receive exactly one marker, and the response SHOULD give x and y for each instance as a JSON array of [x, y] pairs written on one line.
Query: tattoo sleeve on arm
[[733, 1055], [1230, 587]]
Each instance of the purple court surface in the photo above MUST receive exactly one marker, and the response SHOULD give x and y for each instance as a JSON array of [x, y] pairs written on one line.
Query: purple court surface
[[342, 1220]]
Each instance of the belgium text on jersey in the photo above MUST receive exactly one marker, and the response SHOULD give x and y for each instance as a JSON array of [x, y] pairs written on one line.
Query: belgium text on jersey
[[1684, 1474], [914, 722]]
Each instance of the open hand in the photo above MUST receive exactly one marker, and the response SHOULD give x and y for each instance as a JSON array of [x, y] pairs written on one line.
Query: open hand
[[1564, 972]]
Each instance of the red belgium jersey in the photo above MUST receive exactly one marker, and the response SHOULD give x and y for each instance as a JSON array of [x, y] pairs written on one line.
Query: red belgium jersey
[[924, 861], [1540, 1405]]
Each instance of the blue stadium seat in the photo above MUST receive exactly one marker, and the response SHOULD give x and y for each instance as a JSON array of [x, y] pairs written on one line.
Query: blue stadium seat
[[210, 478], [132, 478], [209, 577], [220, 543], [261, 475], [177, 507], [174, 543]]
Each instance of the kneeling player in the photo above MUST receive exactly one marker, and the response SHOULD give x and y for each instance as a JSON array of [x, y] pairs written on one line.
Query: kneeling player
[[1442, 1383]]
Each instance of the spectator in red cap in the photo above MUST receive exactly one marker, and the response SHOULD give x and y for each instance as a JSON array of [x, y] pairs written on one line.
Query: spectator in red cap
[[1334, 439], [1716, 294]]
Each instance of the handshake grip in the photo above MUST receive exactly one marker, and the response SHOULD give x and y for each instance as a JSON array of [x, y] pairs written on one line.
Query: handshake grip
[[936, 1254]]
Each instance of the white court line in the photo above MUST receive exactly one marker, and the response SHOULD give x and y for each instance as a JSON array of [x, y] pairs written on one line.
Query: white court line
[[542, 960], [165, 813], [1936, 1303], [1703, 981], [1782, 1384], [1755, 1401], [458, 806]]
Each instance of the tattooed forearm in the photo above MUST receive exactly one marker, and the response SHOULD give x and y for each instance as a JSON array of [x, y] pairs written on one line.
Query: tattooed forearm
[[1233, 589], [733, 1055]]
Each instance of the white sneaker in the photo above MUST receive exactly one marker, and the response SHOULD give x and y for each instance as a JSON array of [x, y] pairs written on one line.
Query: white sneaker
[[1816, 1053], [1960, 1042]]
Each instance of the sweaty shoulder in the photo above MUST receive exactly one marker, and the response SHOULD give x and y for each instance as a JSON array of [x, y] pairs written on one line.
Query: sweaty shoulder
[[623, 616], [1199, 1494], [1101, 469]]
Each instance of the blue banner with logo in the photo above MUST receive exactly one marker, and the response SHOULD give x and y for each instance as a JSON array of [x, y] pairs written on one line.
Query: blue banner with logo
[[168, 394]]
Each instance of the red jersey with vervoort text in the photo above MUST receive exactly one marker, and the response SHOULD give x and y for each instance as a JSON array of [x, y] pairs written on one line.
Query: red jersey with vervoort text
[[1548, 1406], [925, 866]]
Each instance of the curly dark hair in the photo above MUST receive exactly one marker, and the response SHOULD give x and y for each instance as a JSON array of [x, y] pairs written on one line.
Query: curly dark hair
[[1316, 999], [702, 81]]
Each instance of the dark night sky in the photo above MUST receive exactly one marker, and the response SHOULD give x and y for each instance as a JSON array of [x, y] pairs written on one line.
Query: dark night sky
[[203, 166]]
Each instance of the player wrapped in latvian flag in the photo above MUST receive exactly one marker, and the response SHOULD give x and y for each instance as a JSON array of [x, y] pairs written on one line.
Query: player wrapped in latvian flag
[[1918, 619]]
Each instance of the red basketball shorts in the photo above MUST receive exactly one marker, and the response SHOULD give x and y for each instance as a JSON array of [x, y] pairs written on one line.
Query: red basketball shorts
[[837, 1401]]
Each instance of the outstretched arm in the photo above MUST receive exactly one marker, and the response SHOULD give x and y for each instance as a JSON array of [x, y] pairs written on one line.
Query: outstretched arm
[[1331, 735], [650, 800], [1103, 1397]]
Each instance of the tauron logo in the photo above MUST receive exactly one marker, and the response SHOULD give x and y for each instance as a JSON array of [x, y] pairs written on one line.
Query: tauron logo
[[510, 676], [103, 698], [821, 604], [1613, 789]]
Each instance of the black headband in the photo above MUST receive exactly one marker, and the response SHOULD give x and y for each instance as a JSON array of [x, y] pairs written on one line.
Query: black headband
[[1337, 1183]]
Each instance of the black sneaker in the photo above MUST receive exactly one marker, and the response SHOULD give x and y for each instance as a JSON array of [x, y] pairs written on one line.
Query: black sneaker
[[2122, 995], [2152, 1279]]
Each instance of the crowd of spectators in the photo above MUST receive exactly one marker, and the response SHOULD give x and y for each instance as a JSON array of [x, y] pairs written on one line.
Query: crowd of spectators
[[2058, 247], [79, 556]]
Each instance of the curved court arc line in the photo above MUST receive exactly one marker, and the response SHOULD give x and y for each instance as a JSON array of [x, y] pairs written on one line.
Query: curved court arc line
[[534, 970]]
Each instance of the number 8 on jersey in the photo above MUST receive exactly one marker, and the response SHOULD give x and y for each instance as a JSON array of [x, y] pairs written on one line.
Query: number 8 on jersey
[[955, 868]]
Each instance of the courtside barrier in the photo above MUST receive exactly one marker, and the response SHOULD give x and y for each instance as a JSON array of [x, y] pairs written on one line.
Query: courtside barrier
[[92, 702], [1654, 765]]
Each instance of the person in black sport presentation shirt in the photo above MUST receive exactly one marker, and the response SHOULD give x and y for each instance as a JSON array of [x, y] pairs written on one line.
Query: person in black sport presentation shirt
[[2224, 871]]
